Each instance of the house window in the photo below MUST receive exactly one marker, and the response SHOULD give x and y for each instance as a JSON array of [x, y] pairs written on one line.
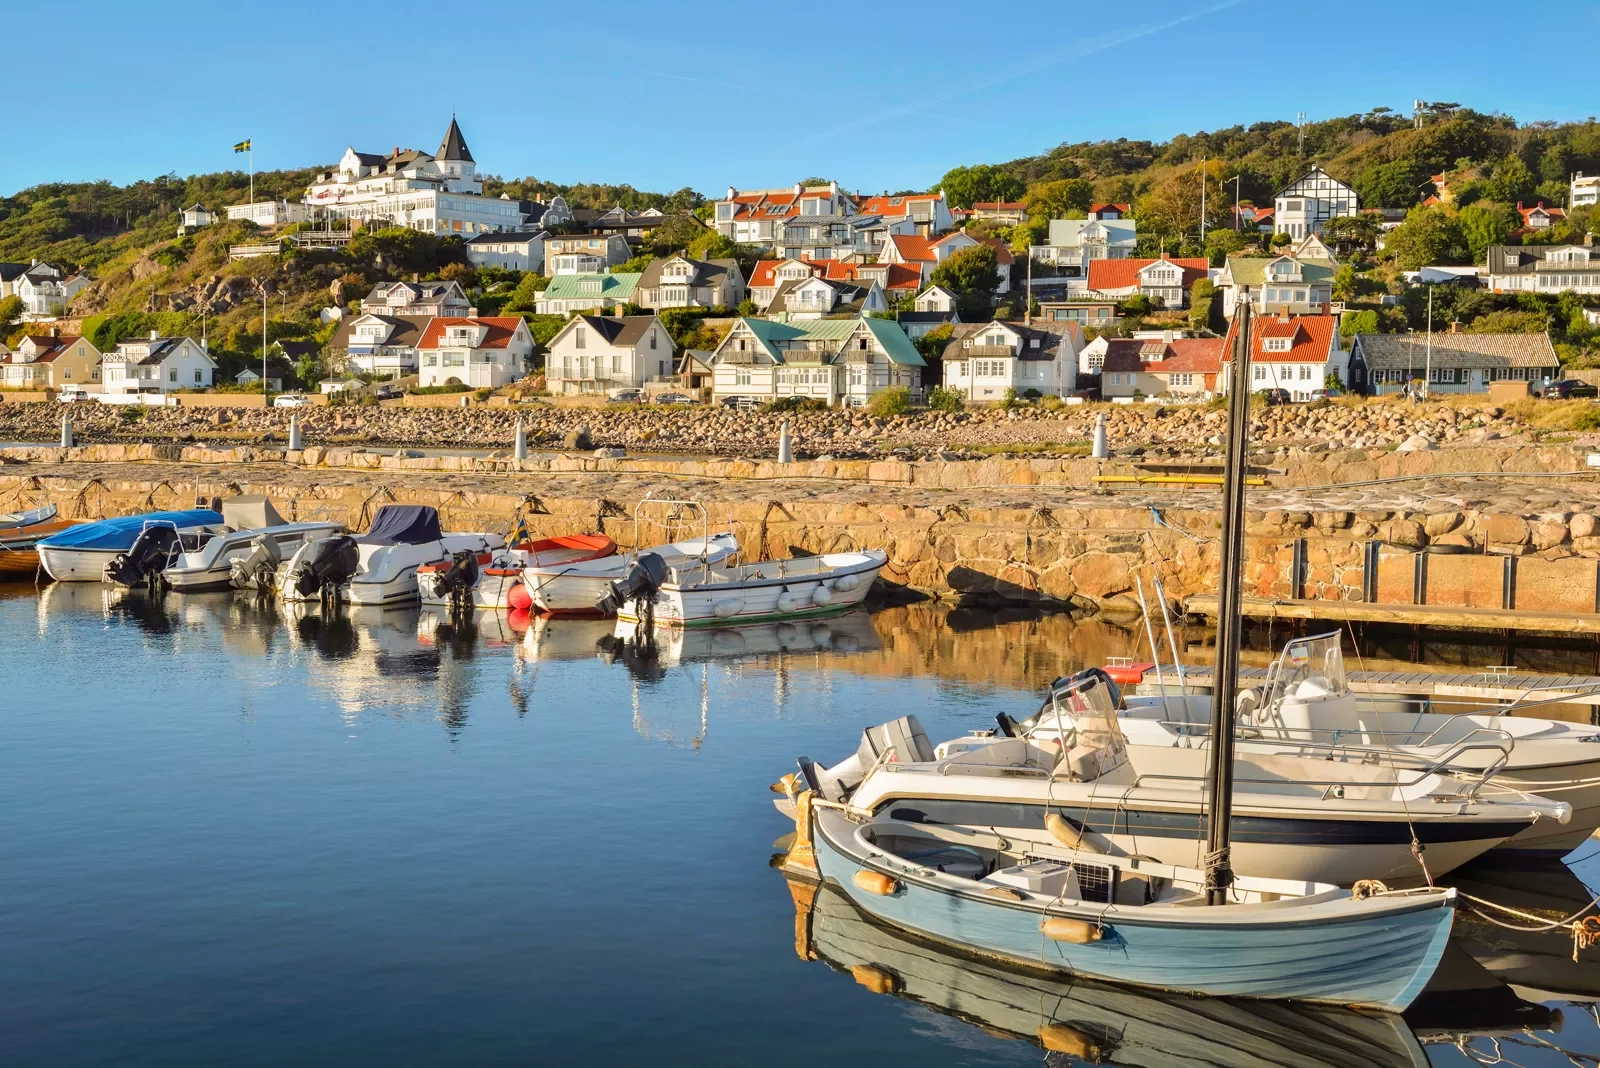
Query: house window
[[455, 359], [741, 377], [172, 375], [1305, 372], [197, 378], [652, 339], [1260, 373], [579, 341], [616, 363], [1275, 344]]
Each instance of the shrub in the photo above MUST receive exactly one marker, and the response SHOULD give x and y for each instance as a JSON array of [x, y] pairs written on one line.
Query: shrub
[[890, 401], [482, 394], [1009, 401], [1031, 394], [131, 413], [941, 399], [795, 404], [423, 391]]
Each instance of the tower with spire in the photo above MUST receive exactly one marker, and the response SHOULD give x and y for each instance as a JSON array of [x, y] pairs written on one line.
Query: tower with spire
[[455, 160]]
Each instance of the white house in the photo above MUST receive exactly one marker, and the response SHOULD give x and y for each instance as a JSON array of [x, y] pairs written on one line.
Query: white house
[[437, 194], [984, 360], [380, 344], [757, 216], [932, 308], [601, 353], [157, 365], [1293, 353], [835, 361], [929, 213], [1585, 191], [955, 241], [1163, 363], [513, 250], [1073, 243], [193, 218], [247, 377], [270, 213], [677, 281], [46, 290], [484, 352], [1166, 281], [417, 298], [1543, 268], [1285, 283], [584, 253], [569, 293], [1301, 207], [816, 296]]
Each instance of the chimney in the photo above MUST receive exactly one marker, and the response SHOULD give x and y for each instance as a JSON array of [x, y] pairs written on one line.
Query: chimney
[[55, 331], [799, 188], [1283, 316], [1166, 336], [1455, 326], [155, 334], [1327, 309], [732, 192]]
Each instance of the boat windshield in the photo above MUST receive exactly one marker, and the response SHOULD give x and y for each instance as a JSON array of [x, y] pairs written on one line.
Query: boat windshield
[[1318, 659], [1086, 705]]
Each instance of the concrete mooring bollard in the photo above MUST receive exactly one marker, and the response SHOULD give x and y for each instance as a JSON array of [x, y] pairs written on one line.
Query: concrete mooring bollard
[[519, 448], [785, 450], [1100, 450], [66, 430], [294, 432]]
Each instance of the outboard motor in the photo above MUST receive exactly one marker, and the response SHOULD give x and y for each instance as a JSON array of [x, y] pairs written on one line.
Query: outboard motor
[[644, 576], [458, 578], [153, 550], [1067, 685], [257, 568], [325, 564]]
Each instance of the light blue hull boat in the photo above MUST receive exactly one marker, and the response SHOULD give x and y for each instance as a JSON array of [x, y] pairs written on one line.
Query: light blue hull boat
[[1292, 941]]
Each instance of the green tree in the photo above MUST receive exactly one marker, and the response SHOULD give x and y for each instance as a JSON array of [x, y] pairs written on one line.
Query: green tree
[[525, 297], [1428, 236], [1486, 223], [1511, 181], [1510, 322], [1352, 232], [1222, 241], [635, 265], [1397, 184], [973, 275], [11, 309], [1067, 198], [1358, 322], [966, 186]]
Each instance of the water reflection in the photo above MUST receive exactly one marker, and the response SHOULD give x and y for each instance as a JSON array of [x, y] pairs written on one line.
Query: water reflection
[[1104, 1024]]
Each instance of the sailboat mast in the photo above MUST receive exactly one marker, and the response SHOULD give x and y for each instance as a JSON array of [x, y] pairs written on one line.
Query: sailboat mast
[[1225, 688]]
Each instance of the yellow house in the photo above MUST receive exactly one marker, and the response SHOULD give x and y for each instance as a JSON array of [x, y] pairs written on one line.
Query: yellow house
[[52, 361]]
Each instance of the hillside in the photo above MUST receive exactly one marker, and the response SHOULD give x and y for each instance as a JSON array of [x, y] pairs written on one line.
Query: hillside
[[146, 276]]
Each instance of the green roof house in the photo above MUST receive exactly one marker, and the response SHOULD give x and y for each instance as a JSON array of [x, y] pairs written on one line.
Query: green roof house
[[836, 361], [568, 293]]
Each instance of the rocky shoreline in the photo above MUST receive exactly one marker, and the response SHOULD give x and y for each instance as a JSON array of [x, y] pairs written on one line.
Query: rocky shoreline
[[1133, 430]]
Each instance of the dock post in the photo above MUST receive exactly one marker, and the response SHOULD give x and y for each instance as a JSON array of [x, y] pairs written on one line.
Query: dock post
[[66, 430], [785, 450], [294, 432], [519, 448], [1099, 452]]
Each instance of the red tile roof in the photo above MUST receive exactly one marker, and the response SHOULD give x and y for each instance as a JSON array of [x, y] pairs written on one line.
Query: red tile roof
[[1124, 274], [501, 327], [1311, 337], [47, 348], [895, 275], [1197, 355], [1123, 208], [912, 248], [885, 206], [1554, 213], [1002, 252]]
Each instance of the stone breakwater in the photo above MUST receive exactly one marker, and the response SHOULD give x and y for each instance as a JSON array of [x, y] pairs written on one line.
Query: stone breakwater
[[1194, 432], [1009, 534]]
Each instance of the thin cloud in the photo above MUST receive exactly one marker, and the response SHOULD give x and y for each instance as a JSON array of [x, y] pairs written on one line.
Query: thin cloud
[[1100, 45], [686, 78]]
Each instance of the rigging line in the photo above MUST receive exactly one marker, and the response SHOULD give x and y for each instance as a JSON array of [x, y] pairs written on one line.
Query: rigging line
[[1543, 924]]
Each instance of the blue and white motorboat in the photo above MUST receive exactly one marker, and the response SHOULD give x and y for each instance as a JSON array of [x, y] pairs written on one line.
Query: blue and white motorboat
[[81, 553]]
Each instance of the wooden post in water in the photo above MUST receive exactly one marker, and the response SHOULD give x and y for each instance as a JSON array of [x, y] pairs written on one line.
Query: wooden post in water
[[1225, 688]]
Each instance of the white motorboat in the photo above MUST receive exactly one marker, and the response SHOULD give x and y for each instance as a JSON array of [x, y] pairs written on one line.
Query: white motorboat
[[82, 553], [494, 580], [1306, 706], [769, 591], [379, 568], [244, 553], [576, 588]]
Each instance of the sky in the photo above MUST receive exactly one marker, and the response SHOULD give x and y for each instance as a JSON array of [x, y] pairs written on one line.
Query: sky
[[749, 95]]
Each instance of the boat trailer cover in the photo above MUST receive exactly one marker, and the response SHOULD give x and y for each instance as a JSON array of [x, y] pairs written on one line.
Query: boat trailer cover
[[119, 533], [403, 524]]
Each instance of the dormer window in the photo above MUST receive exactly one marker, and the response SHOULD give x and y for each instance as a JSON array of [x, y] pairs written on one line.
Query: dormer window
[[995, 339], [1276, 344]]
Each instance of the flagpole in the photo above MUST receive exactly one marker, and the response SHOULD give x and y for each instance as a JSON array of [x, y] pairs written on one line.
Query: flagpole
[[251, 154]]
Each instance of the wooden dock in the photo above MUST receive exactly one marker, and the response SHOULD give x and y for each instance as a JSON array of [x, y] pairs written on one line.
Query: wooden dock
[[1427, 615], [1489, 687]]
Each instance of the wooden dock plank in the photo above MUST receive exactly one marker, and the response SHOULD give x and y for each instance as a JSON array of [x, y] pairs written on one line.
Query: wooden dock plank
[[1205, 604]]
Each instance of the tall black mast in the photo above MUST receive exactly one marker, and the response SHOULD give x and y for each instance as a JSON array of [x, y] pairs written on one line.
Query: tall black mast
[[1225, 678]]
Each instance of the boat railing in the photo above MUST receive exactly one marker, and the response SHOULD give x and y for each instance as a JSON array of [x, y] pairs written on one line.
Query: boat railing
[[1442, 765], [1274, 734], [680, 515]]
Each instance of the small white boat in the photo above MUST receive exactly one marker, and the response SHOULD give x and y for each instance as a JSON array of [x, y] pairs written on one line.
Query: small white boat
[[81, 553], [769, 591], [575, 588], [245, 553], [379, 568], [494, 580]]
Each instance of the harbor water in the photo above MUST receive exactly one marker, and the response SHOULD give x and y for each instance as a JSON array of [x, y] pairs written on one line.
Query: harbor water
[[235, 834]]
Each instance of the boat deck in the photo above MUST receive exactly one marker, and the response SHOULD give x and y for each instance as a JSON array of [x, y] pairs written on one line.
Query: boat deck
[[1486, 686]]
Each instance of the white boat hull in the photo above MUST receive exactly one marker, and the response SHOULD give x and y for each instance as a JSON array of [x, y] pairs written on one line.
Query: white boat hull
[[76, 565], [762, 593], [388, 573], [575, 589]]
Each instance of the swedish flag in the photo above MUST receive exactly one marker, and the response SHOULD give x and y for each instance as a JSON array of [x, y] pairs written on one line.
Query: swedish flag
[[519, 530], [242, 146]]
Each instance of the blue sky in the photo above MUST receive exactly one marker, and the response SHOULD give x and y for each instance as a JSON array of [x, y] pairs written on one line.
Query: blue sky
[[741, 94]]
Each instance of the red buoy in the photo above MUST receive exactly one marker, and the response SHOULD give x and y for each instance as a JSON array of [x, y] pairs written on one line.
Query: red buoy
[[519, 597]]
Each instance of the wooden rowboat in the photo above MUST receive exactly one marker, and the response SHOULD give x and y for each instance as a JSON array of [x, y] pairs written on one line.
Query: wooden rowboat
[[20, 532]]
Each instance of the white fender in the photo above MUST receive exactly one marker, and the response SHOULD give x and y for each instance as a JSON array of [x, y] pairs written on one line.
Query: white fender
[[788, 601], [846, 583], [728, 606], [821, 596]]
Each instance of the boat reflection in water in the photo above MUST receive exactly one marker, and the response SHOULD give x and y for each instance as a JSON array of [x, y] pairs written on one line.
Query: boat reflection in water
[[1102, 1023]]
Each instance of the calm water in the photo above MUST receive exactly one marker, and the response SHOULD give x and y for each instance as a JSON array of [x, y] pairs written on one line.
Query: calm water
[[231, 837]]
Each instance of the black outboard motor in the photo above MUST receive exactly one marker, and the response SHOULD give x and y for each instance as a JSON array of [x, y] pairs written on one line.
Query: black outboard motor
[[257, 569], [644, 576], [328, 563], [1067, 685], [458, 579], [154, 549]]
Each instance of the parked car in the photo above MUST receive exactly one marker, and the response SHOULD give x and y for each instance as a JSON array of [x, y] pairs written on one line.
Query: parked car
[[626, 396], [1568, 388], [674, 398], [388, 392], [743, 404], [74, 395], [289, 400], [1274, 396]]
